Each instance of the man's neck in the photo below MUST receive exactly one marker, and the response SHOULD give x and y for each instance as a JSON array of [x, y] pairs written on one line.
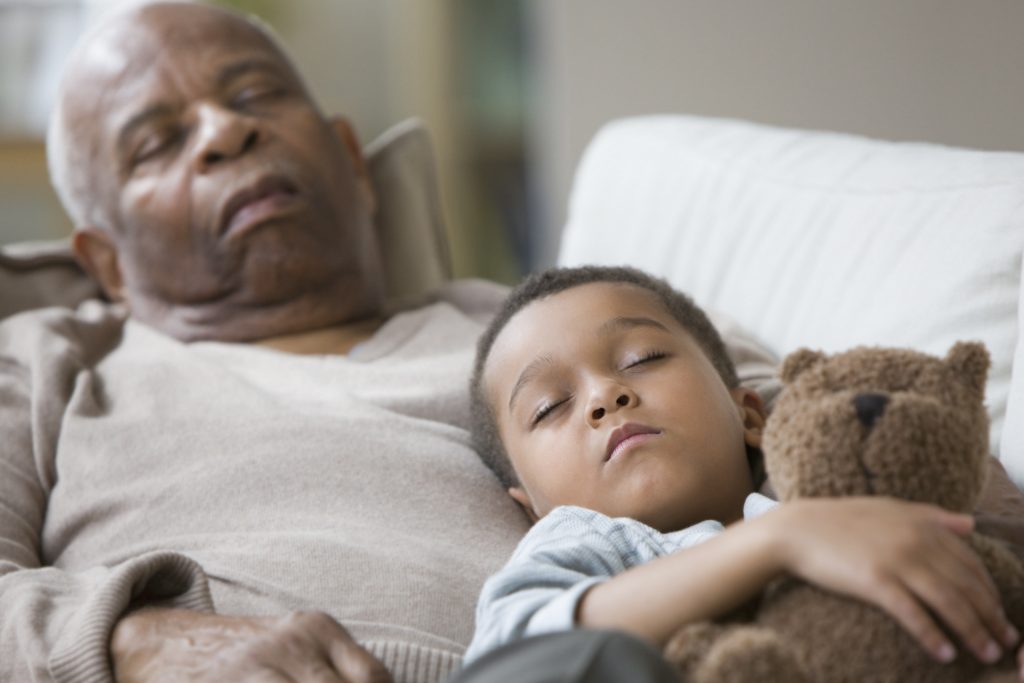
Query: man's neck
[[337, 339], [318, 321]]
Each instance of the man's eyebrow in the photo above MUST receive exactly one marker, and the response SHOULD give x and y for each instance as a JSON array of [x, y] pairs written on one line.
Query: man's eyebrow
[[233, 71], [627, 323], [527, 375]]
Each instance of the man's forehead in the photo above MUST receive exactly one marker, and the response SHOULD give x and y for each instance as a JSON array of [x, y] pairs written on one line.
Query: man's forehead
[[125, 60], [131, 43]]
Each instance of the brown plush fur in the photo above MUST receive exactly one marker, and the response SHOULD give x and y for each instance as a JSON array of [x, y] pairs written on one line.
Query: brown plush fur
[[871, 421]]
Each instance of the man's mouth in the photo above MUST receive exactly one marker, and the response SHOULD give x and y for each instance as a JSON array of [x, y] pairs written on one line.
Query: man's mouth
[[256, 203], [627, 437]]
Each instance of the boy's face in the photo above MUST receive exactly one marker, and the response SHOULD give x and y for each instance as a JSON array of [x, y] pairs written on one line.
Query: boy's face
[[604, 401]]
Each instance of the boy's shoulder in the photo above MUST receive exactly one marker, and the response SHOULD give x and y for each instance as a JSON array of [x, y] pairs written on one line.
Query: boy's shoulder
[[575, 532], [757, 504]]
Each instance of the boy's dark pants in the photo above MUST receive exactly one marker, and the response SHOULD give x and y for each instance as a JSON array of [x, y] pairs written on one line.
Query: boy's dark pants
[[578, 656]]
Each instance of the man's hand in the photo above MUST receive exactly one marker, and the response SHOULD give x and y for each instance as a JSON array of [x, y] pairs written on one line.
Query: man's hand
[[181, 645]]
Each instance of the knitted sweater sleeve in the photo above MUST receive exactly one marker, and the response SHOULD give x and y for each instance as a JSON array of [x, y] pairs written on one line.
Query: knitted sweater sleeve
[[54, 624]]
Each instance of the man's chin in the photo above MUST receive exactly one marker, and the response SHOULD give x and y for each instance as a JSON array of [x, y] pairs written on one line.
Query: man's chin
[[277, 301]]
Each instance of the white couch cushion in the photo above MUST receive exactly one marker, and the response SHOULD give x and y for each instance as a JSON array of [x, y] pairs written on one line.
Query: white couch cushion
[[816, 239]]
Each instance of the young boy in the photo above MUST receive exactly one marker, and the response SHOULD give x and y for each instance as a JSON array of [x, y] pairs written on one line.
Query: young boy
[[606, 403]]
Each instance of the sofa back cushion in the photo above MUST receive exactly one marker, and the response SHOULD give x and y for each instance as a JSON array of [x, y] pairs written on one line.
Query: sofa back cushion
[[817, 239]]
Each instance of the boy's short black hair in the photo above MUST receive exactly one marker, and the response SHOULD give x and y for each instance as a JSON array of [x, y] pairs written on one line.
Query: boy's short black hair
[[484, 426]]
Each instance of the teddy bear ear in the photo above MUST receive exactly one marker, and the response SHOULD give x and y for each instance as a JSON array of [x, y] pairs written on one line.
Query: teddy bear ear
[[970, 361], [800, 361]]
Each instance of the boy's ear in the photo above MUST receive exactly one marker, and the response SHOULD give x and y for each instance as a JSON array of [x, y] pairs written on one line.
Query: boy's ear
[[753, 414], [95, 251], [520, 496]]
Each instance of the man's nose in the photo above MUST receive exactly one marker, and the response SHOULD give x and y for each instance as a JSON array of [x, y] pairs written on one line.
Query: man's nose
[[607, 399], [222, 134]]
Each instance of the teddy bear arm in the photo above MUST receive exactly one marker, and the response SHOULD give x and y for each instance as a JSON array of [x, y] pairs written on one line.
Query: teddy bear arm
[[1007, 571], [708, 652]]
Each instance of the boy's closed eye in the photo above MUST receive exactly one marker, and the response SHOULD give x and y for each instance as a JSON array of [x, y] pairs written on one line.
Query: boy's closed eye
[[632, 362], [546, 409], [646, 357]]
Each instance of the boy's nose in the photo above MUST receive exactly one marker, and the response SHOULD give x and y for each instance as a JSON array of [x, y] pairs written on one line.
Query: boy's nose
[[609, 401], [622, 400]]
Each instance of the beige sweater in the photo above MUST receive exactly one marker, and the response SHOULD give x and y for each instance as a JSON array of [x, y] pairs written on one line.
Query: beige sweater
[[243, 480]]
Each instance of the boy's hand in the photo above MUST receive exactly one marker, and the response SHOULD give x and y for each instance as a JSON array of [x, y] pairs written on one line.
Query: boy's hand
[[906, 559]]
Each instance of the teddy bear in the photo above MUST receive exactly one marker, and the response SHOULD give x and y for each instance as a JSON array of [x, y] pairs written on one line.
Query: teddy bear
[[869, 421]]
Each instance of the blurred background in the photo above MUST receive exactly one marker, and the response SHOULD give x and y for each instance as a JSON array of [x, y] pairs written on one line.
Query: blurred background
[[512, 90]]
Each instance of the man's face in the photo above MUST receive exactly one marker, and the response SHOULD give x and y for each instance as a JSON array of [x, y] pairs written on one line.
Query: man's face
[[604, 401], [228, 190]]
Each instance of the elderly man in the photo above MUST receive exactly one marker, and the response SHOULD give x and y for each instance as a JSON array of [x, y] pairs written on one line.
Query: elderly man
[[201, 481]]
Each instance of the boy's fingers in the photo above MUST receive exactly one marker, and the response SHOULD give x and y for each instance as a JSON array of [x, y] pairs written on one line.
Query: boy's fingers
[[942, 595], [895, 600], [954, 521], [971, 562], [974, 581]]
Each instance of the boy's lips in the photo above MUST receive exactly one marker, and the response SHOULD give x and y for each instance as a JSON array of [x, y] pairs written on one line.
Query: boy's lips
[[626, 436]]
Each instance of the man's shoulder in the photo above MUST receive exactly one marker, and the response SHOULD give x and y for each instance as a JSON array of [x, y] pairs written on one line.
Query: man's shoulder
[[86, 332]]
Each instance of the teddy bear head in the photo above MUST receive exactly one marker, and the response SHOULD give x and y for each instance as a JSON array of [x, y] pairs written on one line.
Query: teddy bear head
[[881, 421]]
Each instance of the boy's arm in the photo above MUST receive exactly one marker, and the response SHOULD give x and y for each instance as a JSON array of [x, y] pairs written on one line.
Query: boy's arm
[[702, 582], [899, 556], [562, 557]]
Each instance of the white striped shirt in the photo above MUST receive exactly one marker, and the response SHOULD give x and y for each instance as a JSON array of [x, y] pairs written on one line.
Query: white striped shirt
[[562, 556]]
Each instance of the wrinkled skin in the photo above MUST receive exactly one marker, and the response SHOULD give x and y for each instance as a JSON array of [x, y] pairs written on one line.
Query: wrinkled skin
[[189, 110], [178, 645]]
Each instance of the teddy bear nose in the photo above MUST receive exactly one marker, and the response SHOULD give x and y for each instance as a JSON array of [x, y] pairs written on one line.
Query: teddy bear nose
[[869, 407]]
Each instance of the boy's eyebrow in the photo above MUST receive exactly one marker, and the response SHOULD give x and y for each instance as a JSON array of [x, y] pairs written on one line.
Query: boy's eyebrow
[[527, 375], [625, 323]]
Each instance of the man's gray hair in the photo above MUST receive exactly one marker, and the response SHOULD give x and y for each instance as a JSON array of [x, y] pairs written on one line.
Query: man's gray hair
[[63, 158]]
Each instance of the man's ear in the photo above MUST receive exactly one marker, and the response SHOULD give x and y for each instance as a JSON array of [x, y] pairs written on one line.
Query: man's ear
[[344, 130], [96, 252], [753, 414], [520, 496]]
